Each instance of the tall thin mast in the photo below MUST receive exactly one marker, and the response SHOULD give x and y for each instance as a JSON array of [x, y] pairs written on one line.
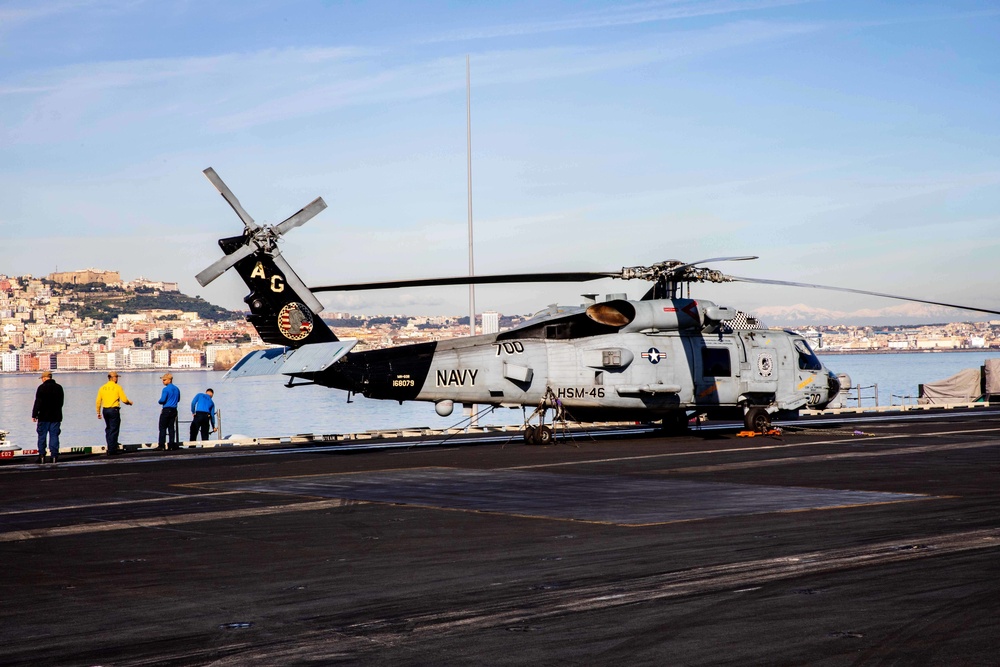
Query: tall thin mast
[[468, 137]]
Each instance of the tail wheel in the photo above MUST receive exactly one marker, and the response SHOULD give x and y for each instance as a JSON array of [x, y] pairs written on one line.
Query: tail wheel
[[757, 419], [543, 435], [529, 435]]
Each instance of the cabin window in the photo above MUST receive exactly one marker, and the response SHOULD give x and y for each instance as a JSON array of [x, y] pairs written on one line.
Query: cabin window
[[808, 361], [715, 362]]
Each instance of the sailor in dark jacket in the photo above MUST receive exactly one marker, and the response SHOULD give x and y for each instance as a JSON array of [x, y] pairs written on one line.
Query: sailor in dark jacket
[[47, 412]]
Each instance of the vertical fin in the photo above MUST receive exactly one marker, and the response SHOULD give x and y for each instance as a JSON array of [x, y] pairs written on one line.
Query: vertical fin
[[278, 313]]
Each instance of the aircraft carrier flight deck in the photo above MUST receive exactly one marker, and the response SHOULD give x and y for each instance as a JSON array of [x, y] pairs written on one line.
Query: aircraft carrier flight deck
[[874, 543]]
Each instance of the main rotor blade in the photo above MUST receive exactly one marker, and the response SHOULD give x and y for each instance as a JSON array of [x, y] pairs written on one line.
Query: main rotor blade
[[299, 287], [224, 264], [560, 277], [303, 216], [713, 259], [228, 195], [787, 283]]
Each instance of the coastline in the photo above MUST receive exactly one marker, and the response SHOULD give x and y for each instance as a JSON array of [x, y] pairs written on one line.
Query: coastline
[[123, 371], [834, 353], [818, 351]]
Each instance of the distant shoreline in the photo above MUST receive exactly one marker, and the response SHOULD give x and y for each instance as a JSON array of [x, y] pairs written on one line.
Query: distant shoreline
[[833, 353], [819, 351], [121, 371]]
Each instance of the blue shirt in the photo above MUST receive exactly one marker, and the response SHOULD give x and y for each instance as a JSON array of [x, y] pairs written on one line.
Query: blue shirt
[[170, 396], [204, 403]]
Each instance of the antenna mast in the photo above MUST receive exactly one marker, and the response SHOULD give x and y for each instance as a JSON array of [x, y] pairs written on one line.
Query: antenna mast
[[468, 137]]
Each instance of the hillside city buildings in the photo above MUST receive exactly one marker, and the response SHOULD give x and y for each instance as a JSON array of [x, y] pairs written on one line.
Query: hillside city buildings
[[41, 328]]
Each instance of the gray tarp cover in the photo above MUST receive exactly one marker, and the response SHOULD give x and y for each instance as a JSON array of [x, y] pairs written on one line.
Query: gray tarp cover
[[993, 376], [963, 387]]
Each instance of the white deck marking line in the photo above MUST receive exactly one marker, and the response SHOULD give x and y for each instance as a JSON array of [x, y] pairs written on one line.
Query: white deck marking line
[[168, 522], [742, 465], [742, 449], [121, 502]]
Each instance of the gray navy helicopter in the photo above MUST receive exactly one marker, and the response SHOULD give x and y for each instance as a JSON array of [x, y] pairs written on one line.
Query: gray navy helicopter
[[661, 358]]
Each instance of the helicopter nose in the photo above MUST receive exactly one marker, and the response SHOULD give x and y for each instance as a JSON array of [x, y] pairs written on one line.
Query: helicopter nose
[[833, 385]]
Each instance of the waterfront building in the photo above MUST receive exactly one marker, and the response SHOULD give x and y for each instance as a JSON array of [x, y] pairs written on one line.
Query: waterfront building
[[212, 351], [141, 358], [76, 360], [29, 363], [10, 362], [187, 358], [940, 343]]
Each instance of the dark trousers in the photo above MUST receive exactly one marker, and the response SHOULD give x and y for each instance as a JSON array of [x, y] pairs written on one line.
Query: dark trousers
[[168, 425], [112, 425], [50, 429], [200, 422]]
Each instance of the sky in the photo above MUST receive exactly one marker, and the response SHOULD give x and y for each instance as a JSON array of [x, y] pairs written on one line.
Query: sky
[[848, 143]]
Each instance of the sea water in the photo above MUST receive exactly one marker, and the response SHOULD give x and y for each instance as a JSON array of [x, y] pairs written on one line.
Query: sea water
[[254, 406], [898, 375], [263, 406]]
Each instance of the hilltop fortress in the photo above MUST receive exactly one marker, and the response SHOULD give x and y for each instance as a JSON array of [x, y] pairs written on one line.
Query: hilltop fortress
[[85, 277]]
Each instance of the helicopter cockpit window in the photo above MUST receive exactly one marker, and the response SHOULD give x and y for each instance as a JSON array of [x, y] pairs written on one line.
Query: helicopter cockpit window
[[808, 361], [715, 362]]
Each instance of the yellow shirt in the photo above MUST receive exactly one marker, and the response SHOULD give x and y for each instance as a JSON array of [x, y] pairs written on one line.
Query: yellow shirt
[[110, 395]]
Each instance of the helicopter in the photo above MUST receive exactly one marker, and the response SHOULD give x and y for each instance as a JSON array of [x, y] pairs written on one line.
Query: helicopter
[[661, 358]]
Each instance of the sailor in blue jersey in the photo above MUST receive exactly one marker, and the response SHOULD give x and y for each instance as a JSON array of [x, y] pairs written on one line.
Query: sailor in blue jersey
[[169, 398], [203, 409]]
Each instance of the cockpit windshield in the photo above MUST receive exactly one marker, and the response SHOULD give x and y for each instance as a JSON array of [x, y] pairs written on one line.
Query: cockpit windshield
[[808, 361]]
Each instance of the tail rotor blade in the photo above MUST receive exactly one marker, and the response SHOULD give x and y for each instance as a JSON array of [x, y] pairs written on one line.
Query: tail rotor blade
[[224, 264], [228, 195], [299, 287], [303, 216]]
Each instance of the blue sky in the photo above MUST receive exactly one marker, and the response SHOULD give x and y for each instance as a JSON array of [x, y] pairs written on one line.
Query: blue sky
[[845, 143]]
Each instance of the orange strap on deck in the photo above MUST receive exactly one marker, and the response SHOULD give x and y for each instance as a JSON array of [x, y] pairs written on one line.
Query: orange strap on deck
[[754, 434]]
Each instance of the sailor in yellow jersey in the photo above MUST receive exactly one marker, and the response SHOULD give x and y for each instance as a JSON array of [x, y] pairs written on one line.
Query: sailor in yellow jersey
[[109, 399]]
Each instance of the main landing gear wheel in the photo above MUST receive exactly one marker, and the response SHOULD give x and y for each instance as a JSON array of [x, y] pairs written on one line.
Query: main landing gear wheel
[[757, 419], [538, 435]]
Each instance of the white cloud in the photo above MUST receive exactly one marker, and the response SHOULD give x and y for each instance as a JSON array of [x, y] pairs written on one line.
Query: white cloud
[[231, 92], [621, 15]]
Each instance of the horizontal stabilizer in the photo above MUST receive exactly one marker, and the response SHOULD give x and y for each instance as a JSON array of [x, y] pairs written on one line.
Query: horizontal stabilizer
[[300, 361]]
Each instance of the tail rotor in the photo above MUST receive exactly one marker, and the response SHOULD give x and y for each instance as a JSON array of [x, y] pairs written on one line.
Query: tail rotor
[[262, 239]]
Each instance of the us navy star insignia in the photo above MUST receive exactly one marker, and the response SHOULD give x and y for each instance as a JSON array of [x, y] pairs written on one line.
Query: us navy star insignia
[[653, 355]]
